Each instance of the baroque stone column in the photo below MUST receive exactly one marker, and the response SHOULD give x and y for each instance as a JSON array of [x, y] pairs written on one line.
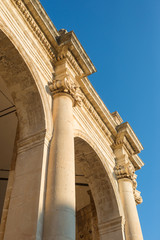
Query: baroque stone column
[[125, 173], [60, 196]]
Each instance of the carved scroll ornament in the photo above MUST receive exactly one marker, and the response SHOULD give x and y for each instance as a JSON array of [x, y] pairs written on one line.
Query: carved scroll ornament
[[66, 85], [124, 171], [127, 171], [137, 194]]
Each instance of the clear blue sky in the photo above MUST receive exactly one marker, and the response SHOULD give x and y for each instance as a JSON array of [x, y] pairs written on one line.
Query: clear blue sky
[[122, 38]]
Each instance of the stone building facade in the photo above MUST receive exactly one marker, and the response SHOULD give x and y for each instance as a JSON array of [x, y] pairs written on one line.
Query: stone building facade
[[67, 165]]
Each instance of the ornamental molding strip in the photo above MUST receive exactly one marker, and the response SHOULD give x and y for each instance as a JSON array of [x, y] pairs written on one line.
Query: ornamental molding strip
[[34, 26], [98, 119], [32, 141], [111, 225]]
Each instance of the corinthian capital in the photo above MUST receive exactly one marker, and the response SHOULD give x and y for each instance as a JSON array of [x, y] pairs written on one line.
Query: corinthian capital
[[66, 85], [125, 170]]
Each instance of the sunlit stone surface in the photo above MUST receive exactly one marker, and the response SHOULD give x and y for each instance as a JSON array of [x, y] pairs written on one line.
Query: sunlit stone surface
[[67, 165]]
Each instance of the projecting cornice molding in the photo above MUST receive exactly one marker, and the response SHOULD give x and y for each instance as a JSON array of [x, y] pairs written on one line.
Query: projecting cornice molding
[[126, 133], [34, 26], [126, 139], [65, 54], [117, 117], [136, 160], [71, 41]]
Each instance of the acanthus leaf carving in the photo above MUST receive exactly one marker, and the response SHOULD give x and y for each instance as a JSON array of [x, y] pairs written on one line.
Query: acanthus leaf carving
[[127, 171], [66, 85], [137, 194], [124, 171]]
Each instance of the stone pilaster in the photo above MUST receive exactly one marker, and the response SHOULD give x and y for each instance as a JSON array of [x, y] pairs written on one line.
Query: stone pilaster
[[26, 201]]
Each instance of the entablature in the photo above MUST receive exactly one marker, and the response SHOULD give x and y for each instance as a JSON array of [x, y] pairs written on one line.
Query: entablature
[[125, 130], [127, 140]]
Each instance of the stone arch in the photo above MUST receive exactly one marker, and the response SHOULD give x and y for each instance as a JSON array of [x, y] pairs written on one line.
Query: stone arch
[[102, 186], [24, 83], [34, 131]]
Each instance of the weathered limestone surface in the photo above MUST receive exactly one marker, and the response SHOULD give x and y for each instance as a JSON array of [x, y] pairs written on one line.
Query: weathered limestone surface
[[60, 198], [66, 137], [87, 222]]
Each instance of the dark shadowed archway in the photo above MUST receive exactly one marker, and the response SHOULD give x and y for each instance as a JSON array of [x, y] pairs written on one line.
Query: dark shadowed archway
[[21, 102], [92, 180]]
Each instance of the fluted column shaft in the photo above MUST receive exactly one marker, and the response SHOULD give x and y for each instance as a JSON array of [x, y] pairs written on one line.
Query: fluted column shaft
[[60, 197]]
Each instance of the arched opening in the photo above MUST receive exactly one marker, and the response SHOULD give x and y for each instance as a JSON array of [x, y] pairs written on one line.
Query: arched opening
[[20, 162], [8, 127], [97, 212]]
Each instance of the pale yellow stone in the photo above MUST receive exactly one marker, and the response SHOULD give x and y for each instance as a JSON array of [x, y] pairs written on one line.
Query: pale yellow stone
[[64, 129]]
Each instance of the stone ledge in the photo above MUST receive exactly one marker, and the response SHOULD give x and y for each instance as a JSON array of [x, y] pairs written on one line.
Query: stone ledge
[[125, 130]]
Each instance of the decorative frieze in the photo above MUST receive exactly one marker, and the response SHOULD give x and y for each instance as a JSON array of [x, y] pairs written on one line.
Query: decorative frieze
[[91, 109], [66, 85], [34, 26]]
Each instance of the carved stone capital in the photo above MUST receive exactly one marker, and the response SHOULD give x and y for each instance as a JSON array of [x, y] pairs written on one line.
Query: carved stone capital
[[124, 171], [127, 171], [66, 85]]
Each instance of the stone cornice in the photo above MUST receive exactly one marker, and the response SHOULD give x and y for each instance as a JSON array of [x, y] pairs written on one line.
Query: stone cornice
[[96, 116], [50, 38], [127, 140], [125, 132], [71, 41], [98, 105], [65, 54], [137, 161], [20, 4], [117, 117], [42, 19]]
